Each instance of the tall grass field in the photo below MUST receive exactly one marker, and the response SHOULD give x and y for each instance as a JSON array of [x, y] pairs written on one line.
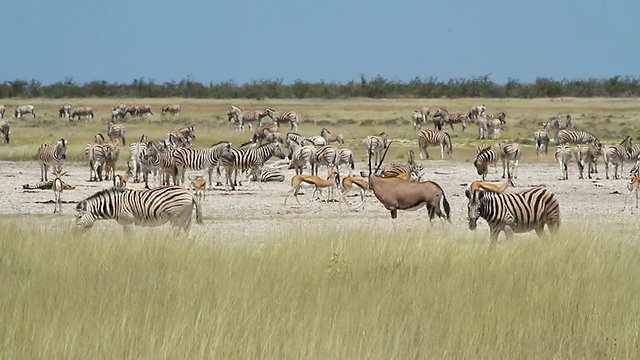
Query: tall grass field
[[317, 293]]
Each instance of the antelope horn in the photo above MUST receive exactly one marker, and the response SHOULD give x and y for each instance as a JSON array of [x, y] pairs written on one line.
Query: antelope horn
[[383, 156], [476, 185]]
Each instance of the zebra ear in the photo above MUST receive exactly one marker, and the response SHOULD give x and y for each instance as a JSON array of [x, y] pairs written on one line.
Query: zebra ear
[[467, 193]]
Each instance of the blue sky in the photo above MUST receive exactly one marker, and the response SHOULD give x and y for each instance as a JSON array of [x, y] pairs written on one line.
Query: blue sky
[[331, 40]]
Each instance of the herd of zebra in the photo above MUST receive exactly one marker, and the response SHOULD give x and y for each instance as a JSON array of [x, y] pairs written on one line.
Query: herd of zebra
[[168, 160]]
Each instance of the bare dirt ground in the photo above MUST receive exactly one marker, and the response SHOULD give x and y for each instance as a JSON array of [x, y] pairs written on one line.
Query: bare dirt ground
[[258, 207]]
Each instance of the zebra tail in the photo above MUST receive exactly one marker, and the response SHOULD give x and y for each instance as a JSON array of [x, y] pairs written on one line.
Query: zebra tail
[[353, 166], [198, 211], [447, 207]]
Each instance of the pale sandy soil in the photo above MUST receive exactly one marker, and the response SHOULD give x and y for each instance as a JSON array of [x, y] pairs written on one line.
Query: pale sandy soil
[[258, 207]]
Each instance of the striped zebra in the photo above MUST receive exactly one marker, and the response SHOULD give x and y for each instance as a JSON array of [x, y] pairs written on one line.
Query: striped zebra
[[563, 156], [410, 167], [616, 155], [587, 154], [153, 207], [173, 109], [510, 154], [234, 160], [437, 138], [345, 157], [152, 163], [375, 145], [111, 155], [299, 139], [80, 111], [268, 133], [331, 138], [51, 154], [198, 159], [571, 136], [287, 116], [64, 111], [494, 124], [240, 117], [541, 139], [444, 117], [476, 111], [95, 154], [137, 153], [23, 110], [267, 174], [418, 119], [162, 155], [181, 137], [116, 132], [327, 156], [519, 212], [301, 156], [484, 158], [5, 130]]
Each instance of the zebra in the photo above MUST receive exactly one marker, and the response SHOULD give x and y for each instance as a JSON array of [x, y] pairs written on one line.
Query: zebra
[[140, 110], [241, 117], [438, 138], [443, 116], [345, 157], [137, 152], [563, 156], [494, 124], [24, 109], [153, 207], [111, 156], [331, 138], [410, 167], [181, 137], [287, 116], [520, 212], [234, 160], [616, 155], [375, 145], [510, 155], [417, 119], [152, 162], [51, 154], [299, 139], [299, 156], [198, 159], [476, 111], [116, 132], [64, 111], [2, 110], [81, 111], [173, 109], [96, 157], [268, 133], [573, 136], [486, 157], [5, 130], [541, 139], [267, 174], [118, 113], [326, 155], [587, 154]]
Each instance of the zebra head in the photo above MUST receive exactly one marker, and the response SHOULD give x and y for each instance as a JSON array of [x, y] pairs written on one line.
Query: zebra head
[[473, 207], [61, 149]]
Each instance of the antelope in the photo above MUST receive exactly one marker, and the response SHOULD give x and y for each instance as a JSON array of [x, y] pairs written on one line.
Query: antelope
[[199, 185], [632, 186], [397, 194], [120, 181], [57, 185], [311, 181], [353, 184]]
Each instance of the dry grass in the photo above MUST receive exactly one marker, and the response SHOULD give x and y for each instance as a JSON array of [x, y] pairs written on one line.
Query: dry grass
[[327, 293], [610, 119]]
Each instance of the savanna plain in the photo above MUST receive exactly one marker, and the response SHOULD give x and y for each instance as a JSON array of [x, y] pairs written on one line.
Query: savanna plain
[[260, 279]]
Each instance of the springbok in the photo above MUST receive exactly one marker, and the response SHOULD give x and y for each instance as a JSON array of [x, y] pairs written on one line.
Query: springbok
[[57, 185], [353, 184], [199, 186], [313, 182]]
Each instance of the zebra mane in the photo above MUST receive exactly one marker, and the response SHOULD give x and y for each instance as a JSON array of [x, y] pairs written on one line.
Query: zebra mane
[[108, 192]]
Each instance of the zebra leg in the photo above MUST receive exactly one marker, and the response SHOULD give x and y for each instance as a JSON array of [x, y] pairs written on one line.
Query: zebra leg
[[505, 165], [442, 151]]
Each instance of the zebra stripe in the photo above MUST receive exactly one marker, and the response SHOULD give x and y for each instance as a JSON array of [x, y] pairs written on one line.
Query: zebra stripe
[[443, 116], [330, 138], [151, 163], [241, 117], [345, 157], [410, 167], [198, 159], [563, 155], [137, 153], [587, 154], [51, 154], [375, 145], [116, 132], [418, 119], [485, 158], [575, 137], [287, 116], [141, 207], [437, 138], [541, 139], [24, 109], [181, 137], [326, 155], [616, 155], [521, 212], [510, 155], [299, 139], [96, 157], [301, 156], [234, 160], [5, 130], [494, 124], [267, 174]]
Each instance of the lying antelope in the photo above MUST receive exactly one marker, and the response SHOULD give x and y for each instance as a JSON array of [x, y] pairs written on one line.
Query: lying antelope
[[311, 182], [199, 185], [57, 186], [353, 184], [398, 194]]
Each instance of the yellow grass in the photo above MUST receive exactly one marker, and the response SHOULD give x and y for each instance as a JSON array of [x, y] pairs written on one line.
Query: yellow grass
[[609, 119], [319, 293]]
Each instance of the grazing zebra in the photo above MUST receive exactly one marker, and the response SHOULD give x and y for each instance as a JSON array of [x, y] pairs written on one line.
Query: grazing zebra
[[438, 138], [444, 116], [563, 156], [375, 145], [267, 174], [24, 109], [486, 157], [80, 111], [234, 160], [116, 132], [510, 155], [616, 155], [141, 207], [51, 154], [173, 109], [520, 212], [541, 138], [494, 124], [140, 110], [287, 116], [64, 111], [345, 157], [241, 117], [198, 159], [5, 130], [326, 155], [410, 167], [587, 154], [331, 138], [476, 111], [571, 136], [301, 156]]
